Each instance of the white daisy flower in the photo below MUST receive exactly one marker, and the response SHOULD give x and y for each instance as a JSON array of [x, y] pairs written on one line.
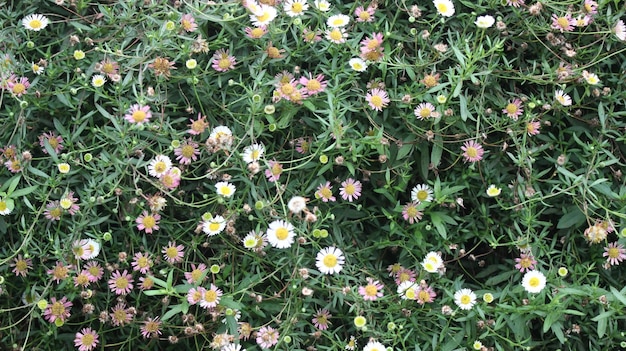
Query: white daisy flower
[[280, 234], [322, 5], [358, 64], [562, 98], [620, 30], [493, 191], [444, 7], [214, 225], [330, 260], [159, 165], [534, 281], [98, 80], [295, 8], [422, 193], [406, 290], [250, 241], [35, 22], [94, 247], [253, 153], [465, 299], [225, 189], [338, 21], [432, 262], [263, 15], [374, 346], [485, 21]]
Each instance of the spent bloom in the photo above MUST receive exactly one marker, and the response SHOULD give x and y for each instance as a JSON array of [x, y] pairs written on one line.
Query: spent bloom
[[377, 99], [534, 281], [330, 260], [465, 299], [297, 204], [267, 337], [35, 22], [472, 151], [614, 253]]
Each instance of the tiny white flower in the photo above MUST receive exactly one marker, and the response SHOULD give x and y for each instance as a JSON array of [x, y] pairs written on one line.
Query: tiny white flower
[[297, 204], [358, 64], [225, 189], [485, 21], [330, 260], [214, 225], [280, 234], [338, 21], [444, 7], [465, 299], [35, 22], [493, 191], [98, 80], [534, 281]]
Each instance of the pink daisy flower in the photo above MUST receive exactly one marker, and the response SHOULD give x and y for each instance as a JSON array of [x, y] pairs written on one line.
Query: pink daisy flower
[[564, 23], [325, 192], [82, 279], [425, 294], [404, 275], [187, 152], [53, 211], [142, 262], [69, 203], [55, 141], [532, 128], [188, 23], [350, 189], [58, 309], [195, 295], [196, 273], [59, 272], [138, 114], [148, 222], [21, 265], [197, 126], [313, 86], [151, 328], [411, 213], [211, 297], [171, 178], [274, 171], [120, 283], [19, 86], [372, 290], [614, 253], [223, 61], [255, 32], [95, 271], [377, 99], [513, 109], [472, 151], [526, 262], [321, 319], [590, 7], [86, 339], [365, 15], [173, 253]]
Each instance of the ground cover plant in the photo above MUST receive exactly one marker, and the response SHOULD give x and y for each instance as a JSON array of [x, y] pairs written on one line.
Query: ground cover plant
[[312, 175]]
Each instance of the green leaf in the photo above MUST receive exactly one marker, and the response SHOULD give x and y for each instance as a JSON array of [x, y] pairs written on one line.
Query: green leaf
[[436, 218], [172, 312], [557, 329], [464, 111], [155, 292], [437, 151], [551, 318], [573, 217], [619, 295], [24, 191], [12, 184], [495, 280]]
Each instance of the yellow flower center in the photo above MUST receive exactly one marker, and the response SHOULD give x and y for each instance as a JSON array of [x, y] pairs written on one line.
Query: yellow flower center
[[265, 16], [160, 167], [108, 68], [410, 293], [442, 8], [373, 44], [171, 252], [282, 233], [613, 252], [534, 282], [313, 85], [364, 15], [82, 279], [187, 151], [425, 112], [35, 24], [335, 35], [376, 100], [196, 274], [21, 265], [511, 108], [430, 81], [210, 296], [423, 295], [276, 169], [465, 299], [57, 309], [330, 260], [256, 33], [142, 262], [472, 152], [371, 290], [226, 191], [287, 89], [139, 116], [87, 339], [149, 221], [296, 7], [214, 226], [422, 195], [563, 22], [326, 192], [18, 88], [56, 212], [224, 63], [3, 206], [349, 189], [121, 283]]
